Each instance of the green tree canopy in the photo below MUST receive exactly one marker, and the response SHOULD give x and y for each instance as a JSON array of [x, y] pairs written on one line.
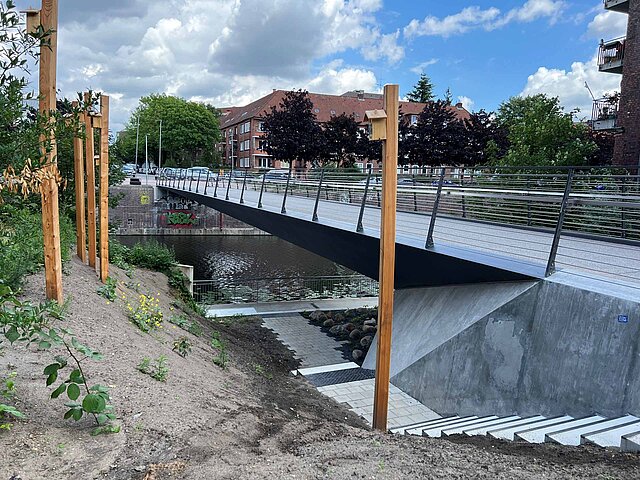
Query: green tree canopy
[[190, 131], [422, 91], [344, 142], [541, 133], [292, 132]]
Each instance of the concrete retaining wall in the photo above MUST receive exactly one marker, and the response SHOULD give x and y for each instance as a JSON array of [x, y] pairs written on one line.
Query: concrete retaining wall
[[553, 349]]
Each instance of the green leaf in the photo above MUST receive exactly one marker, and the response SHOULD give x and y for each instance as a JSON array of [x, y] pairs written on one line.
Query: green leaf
[[44, 345], [93, 403], [77, 414], [51, 379], [53, 368], [59, 391], [73, 391], [69, 413], [12, 334], [76, 376], [102, 418]]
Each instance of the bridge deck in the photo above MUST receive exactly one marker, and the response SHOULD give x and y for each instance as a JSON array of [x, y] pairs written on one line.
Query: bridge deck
[[517, 249]]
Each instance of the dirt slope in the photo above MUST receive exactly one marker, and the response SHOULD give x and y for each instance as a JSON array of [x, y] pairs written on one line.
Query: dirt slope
[[252, 420]]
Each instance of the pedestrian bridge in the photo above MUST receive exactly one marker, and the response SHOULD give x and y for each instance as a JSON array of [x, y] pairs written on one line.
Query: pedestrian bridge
[[453, 226]]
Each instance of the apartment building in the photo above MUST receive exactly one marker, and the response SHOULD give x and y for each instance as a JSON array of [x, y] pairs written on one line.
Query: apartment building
[[621, 114], [242, 127]]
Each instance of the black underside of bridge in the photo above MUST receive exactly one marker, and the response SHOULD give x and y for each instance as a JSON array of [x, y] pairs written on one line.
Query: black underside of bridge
[[415, 267]]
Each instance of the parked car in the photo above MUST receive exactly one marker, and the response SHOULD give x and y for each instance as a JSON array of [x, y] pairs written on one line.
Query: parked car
[[201, 172], [277, 174], [129, 169]]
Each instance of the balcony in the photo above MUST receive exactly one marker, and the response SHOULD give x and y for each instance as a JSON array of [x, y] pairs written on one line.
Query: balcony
[[611, 55], [604, 116], [617, 5]]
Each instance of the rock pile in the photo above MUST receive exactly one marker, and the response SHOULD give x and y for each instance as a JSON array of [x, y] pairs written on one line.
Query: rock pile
[[357, 326]]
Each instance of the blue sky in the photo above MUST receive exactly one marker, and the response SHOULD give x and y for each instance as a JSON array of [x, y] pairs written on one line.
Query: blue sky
[[231, 52]]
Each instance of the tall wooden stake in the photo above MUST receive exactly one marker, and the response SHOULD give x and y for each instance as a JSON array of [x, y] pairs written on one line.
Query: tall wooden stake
[[78, 164], [91, 184], [387, 258], [104, 188], [49, 189]]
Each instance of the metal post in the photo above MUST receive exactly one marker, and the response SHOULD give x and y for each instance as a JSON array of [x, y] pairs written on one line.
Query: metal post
[[190, 181], [360, 227], [207, 182], [228, 187], [529, 202], [551, 264], [314, 218], [198, 184], [264, 178], [434, 213], [184, 184], [244, 183], [215, 189], [464, 203], [286, 190], [622, 210], [415, 197]]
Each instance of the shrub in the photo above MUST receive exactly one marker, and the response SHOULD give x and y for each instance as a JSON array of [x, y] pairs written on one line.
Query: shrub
[[152, 255]]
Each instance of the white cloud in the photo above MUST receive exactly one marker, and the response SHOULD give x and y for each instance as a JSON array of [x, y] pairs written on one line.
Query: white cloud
[[466, 102], [474, 17], [387, 48], [569, 86], [607, 25], [336, 81], [421, 67]]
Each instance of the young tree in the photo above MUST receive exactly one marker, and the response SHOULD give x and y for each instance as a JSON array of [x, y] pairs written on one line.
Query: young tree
[[422, 91], [291, 131], [541, 133], [438, 138]]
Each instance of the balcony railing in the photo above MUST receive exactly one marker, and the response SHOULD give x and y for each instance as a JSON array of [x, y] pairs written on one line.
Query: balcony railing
[[604, 115], [611, 55], [617, 5]]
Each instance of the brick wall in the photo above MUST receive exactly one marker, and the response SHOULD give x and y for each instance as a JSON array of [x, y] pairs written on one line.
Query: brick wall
[[627, 145]]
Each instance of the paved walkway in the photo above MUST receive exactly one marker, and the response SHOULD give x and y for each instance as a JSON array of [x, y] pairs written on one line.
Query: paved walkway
[[276, 308], [321, 355]]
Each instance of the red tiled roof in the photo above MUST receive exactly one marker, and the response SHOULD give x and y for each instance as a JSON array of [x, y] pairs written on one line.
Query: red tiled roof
[[325, 107]]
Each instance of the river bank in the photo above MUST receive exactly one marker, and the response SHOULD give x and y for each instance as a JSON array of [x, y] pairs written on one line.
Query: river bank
[[248, 420]]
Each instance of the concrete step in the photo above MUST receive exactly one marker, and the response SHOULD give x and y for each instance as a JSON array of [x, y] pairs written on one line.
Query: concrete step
[[437, 431], [631, 442], [507, 431], [611, 437], [477, 426], [517, 420], [403, 429], [571, 435], [418, 429], [537, 434]]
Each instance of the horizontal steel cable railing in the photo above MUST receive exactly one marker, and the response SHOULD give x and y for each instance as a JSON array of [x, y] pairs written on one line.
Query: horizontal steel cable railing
[[593, 206], [255, 290]]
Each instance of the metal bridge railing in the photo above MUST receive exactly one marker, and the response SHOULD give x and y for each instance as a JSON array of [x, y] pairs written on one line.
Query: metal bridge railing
[[599, 204], [256, 290]]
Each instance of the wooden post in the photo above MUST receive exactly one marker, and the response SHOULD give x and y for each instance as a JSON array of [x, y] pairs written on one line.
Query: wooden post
[[387, 258], [104, 188], [49, 189], [78, 164], [91, 184]]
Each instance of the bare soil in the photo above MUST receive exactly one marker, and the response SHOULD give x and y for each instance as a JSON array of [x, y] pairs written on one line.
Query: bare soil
[[252, 420]]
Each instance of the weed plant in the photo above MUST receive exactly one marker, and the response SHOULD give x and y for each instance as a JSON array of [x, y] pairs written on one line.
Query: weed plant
[[182, 346], [184, 323], [221, 358], [108, 290], [158, 371], [145, 313]]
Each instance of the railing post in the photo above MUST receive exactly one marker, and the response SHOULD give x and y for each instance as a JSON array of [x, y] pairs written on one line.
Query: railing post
[[622, 209], [244, 183], [434, 213], [551, 263], [198, 184], [215, 189], [264, 178], [228, 187], [464, 202], [286, 190], [415, 197], [184, 184], [360, 227], [314, 218], [206, 184], [528, 202], [190, 181]]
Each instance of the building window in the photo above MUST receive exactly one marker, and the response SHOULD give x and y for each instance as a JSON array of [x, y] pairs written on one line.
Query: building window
[[262, 144], [245, 127], [265, 162], [414, 119], [244, 162], [261, 126]]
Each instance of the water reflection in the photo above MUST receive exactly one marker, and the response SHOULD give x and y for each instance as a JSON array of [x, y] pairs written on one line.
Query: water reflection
[[242, 257]]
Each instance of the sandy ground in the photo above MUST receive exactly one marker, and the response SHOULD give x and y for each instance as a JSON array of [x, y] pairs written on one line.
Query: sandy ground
[[250, 421]]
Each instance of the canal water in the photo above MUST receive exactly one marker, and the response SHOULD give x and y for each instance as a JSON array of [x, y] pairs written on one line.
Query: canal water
[[229, 258]]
